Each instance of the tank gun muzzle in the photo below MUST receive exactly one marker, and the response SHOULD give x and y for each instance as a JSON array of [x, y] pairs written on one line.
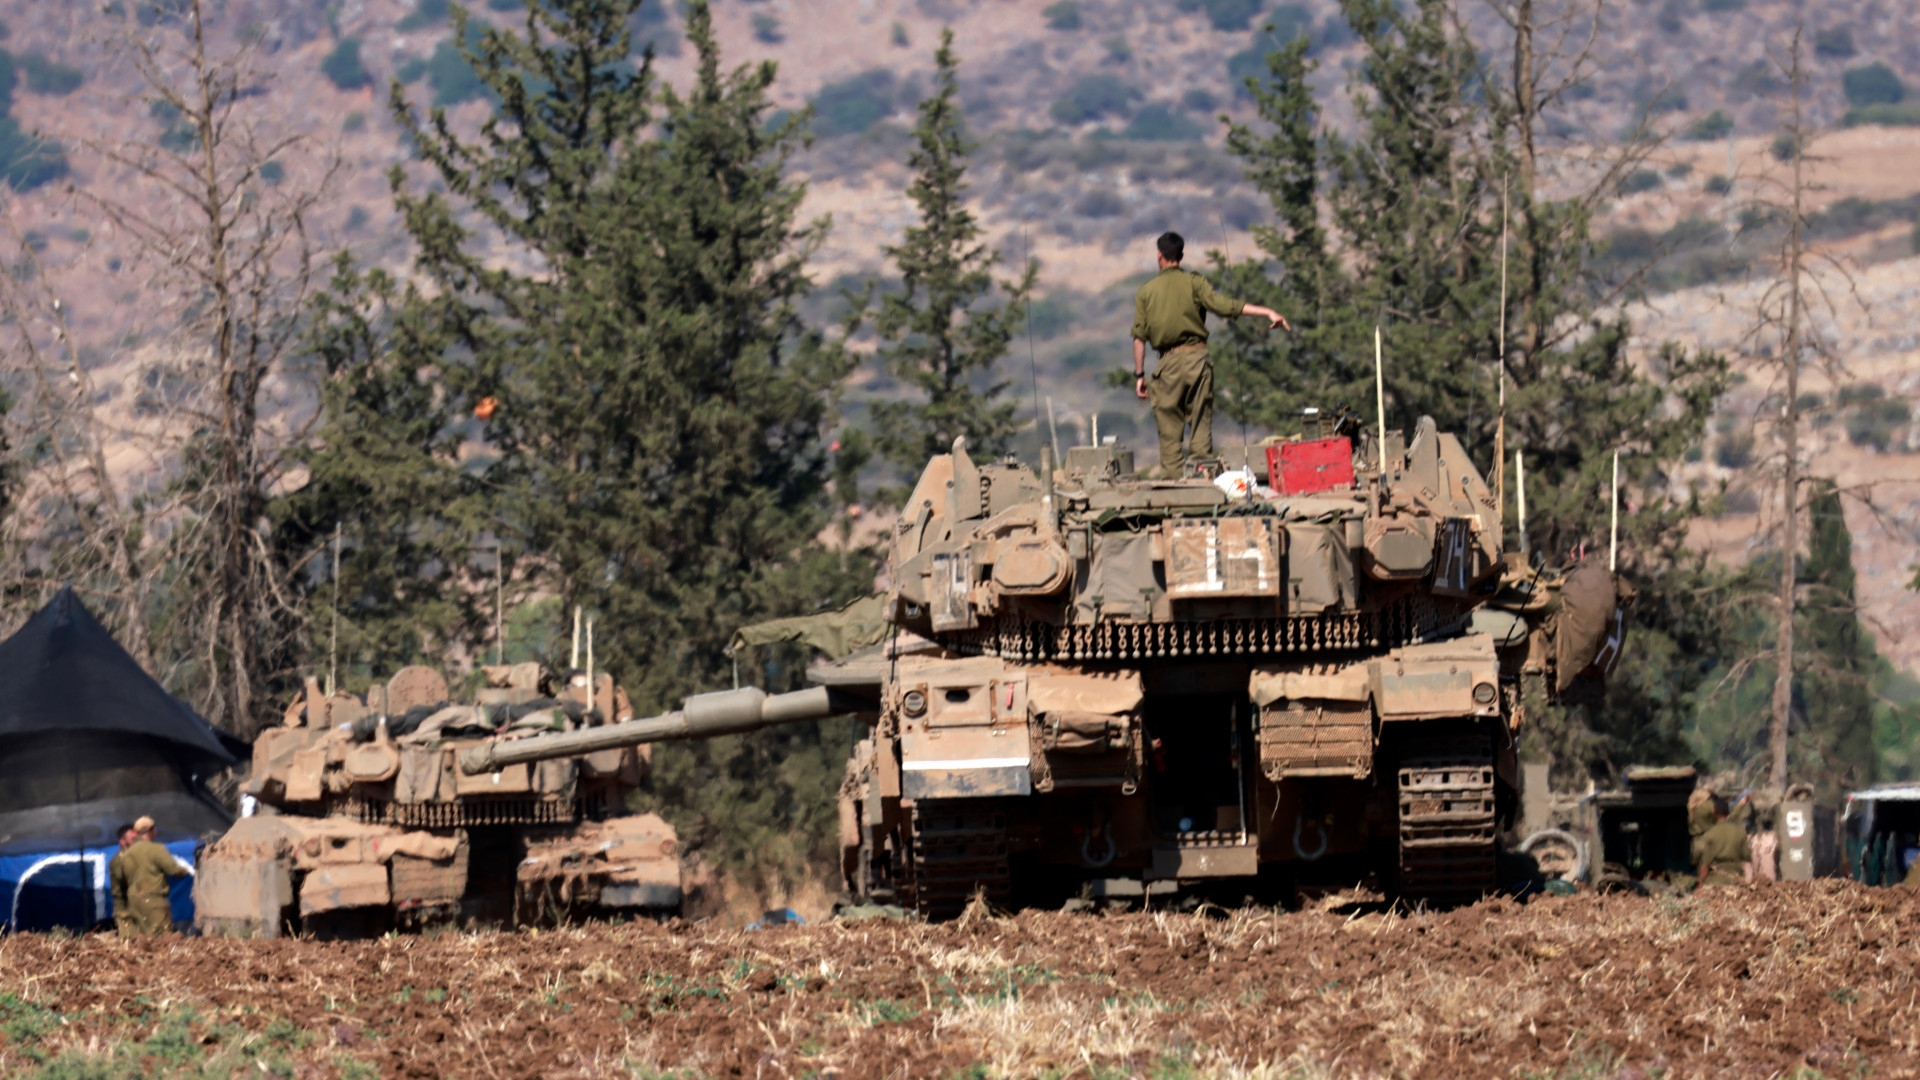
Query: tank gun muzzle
[[702, 716]]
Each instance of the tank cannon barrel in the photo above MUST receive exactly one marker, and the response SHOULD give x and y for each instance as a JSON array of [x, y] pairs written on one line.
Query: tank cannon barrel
[[702, 716]]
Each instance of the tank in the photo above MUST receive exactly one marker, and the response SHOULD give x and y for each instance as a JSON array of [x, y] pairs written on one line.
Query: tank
[[362, 822], [1098, 686]]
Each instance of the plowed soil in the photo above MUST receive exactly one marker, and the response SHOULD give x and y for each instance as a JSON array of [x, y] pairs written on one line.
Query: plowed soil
[[1777, 981]]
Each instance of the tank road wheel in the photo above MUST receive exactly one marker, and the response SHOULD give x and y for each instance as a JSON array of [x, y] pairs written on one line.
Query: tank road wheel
[[959, 848], [1447, 818]]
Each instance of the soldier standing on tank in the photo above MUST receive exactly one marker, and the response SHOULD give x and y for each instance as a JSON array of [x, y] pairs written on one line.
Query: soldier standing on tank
[[143, 869], [117, 873], [1722, 850], [1170, 314]]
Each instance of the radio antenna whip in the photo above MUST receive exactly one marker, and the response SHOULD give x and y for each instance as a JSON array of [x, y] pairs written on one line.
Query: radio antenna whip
[[1033, 365], [1500, 429], [1380, 398], [333, 634], [1226, 252]]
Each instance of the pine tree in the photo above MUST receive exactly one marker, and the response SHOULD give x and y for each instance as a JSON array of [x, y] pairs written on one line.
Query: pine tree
[[1410, 241], [384, 480], [1839, 663], [939, 335], [649, 408]]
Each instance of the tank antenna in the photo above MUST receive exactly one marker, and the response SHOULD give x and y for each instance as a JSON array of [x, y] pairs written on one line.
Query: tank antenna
[[1096, 430], [499, 602], [1226, 252], [573, 662], [1613, 522], [590, 694], [1520, 493], [333, 634], [1033, 365], [1500, 430], [1380, 398]]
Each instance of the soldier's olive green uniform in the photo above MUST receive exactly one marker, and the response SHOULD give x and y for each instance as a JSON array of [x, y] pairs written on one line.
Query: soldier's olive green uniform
[[117, 874], [1723, 850], [140, 874], [1169, 313], [1699, 820]]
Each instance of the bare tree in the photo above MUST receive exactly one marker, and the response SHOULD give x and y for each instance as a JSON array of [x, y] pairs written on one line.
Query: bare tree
[[214, 215]]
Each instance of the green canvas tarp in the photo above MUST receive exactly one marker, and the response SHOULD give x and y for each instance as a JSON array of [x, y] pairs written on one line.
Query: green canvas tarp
[[835, 633]]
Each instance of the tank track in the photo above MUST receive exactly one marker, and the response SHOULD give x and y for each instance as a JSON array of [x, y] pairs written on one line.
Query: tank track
[[958, 849], [1447, 819], [1402, 622]]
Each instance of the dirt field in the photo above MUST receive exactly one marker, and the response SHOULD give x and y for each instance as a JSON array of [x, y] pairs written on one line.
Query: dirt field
[[1785, 981]]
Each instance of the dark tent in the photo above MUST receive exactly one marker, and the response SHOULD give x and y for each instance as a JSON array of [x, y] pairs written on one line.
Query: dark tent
[[88, 740]]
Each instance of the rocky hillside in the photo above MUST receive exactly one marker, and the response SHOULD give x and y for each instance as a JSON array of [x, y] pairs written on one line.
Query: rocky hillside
[[1099, 123]]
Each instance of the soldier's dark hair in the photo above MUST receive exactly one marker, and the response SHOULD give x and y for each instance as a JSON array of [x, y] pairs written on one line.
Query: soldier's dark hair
[[125, 828], [1720, 806], [1173, 246]]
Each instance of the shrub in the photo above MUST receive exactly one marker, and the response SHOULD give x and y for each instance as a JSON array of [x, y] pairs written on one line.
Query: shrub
[[1094, 97], [767, 28], [1785, 147], [1903, 114], [343, 67], [1064, 15], [411, 70], [453, 79], [1118, 51], [1835, 43], [1224, 14], [1715, 125], [355, 121], [425, 13], [51, 77], [1874, 84], [851, 106], [1880, 424], [900, 35], [1051, 317], [28, 160], [272, 172], [1198, 100], [1287, 23], [1717, 6], [1735, 450], [1719, 184], [1100, 203], [1160, 123], [1640, 180]]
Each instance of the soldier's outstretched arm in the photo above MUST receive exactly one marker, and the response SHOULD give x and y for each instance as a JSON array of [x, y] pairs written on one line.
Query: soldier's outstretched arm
[[1275, 320]]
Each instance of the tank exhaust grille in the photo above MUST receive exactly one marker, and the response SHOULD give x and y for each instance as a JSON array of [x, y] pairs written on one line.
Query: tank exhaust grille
[[1402, 622], [466, 813]]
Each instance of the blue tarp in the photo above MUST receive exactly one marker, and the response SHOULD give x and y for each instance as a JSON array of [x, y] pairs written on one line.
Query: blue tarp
[[70, 888]]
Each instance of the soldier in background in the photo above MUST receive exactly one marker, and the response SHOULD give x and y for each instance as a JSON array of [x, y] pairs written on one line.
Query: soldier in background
[[144, 867], [116, 873], [1170, 314], [1721, 852]]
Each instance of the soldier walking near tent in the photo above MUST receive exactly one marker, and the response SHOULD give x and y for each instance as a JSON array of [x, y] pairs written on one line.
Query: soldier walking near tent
[[1170, 314], [1722, 850], [140, 873], [117, 873]]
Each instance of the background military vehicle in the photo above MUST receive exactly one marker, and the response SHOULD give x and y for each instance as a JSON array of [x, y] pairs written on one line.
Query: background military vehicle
[[1096, 683], [364, 822]]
